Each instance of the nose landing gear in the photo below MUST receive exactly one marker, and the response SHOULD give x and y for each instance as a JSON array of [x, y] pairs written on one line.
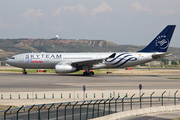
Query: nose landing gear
[[24, 72]]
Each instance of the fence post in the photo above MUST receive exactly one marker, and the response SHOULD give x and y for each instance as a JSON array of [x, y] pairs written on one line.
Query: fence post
[[116, 103], [73, 111], [61, 95], [175, 97], [131, 100], [86, 95], [36, 96], [87, 110], [29, 112], [57, 111], [104, 106], [39, 116], [1, 96], [110, 104], [49, 110], [65, 110], [80, 108], [53, 95], [93, 108], [6, 112], [151, 99], [18, 111], [10, 96], [162, 97], [102, 95], [123, 103], [69, 95], [140, 100], [98, 106], [94, 95]]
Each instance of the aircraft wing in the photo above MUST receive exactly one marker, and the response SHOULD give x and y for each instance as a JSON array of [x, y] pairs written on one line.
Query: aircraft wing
[[89, 62], [93, 61], [160, 55]]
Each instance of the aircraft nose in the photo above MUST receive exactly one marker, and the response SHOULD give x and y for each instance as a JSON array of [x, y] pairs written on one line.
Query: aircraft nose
[[7, 61]]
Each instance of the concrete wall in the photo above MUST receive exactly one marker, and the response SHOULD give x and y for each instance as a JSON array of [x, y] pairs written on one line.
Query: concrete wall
[[131, 113]]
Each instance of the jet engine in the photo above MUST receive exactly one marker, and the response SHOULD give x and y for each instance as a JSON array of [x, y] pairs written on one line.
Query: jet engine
[[64, 68]]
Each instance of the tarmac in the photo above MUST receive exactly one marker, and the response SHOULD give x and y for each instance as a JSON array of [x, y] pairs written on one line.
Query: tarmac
[[38, 88]]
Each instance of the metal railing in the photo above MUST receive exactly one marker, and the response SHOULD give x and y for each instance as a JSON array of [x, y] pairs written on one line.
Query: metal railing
[[83, 110]]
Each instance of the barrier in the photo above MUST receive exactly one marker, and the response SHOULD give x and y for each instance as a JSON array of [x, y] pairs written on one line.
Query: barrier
[[57, 95], [131, 113], [102, 107]]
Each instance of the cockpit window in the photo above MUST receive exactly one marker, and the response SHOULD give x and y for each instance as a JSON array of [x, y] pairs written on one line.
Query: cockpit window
[[12, 57]]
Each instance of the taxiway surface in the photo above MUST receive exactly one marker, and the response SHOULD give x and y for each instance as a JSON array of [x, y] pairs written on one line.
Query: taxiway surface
[[17, 82]]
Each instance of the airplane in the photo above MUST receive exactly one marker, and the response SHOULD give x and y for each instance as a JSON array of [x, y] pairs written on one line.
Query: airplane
[[72, 62]]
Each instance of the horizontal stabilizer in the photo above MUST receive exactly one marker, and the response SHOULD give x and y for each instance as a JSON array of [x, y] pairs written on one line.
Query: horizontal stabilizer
[[160, 55]]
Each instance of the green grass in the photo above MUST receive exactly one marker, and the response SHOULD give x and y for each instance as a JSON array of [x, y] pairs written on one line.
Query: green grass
[[100, 71], [173, 78], [28, 70], [177, 118]]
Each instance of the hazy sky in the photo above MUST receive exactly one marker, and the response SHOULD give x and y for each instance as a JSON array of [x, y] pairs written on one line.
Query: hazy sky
[[119, 21]]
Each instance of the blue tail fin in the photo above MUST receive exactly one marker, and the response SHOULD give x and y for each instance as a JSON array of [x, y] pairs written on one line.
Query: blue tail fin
[[161, 42]]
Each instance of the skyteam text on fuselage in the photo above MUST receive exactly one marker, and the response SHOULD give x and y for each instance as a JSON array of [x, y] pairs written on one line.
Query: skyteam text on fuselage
[[72, 62]]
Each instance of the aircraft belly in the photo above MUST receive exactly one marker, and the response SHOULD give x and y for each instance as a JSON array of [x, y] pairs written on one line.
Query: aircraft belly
[[36, 65]]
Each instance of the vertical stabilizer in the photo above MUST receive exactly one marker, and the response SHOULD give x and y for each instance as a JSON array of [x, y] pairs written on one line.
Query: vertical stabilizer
[[161, 42]]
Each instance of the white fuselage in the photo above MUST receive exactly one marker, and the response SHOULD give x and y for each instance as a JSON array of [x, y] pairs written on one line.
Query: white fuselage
[[49, 60]]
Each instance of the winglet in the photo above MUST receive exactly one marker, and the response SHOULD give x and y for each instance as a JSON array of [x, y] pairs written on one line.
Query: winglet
[[162, 41], [112, 56]]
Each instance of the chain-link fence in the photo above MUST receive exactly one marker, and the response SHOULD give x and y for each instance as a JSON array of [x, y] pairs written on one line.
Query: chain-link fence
[[82, 110]]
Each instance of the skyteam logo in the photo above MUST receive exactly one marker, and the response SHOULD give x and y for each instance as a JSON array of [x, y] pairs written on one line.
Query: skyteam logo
[[28, 61], [162, 42], [121, 59]]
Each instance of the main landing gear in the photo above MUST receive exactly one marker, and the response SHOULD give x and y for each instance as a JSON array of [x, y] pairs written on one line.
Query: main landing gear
[[88, 73], [24, 72]]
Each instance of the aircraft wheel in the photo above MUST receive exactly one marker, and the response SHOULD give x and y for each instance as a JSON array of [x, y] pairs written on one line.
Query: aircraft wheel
[[91, 73], [85, 73], [24, 73]]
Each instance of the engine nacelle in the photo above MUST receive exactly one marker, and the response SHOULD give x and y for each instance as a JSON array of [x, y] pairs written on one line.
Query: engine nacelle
[[65, 68]]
